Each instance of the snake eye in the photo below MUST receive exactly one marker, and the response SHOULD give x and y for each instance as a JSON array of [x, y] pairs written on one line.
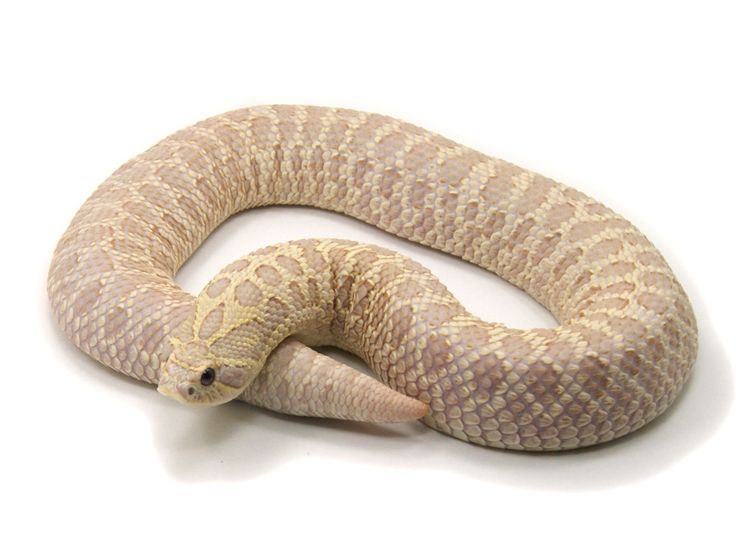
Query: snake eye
[[208, 377]]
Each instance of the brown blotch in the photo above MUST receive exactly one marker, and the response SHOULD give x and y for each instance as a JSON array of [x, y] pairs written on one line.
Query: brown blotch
[[100, 260], [288, 130], [438, 315], [604, 249], [420, 158], [401, 320], [365, 133], [314, 258], [558, 350], [599, 209], [343, 286], [575, 195], [649, 258], [207, 191], [316, 161], [559, 214], [610, 303], [291, 265], [211, 322], [313, 126], [657, 280], [234, 343], [583, 279], [616, 269], [635, 238], [263, 131], [631, 362], [115, 321], [656, 349], [536, 194], [631, 329], [232, 376], [619, 288], [587, 229], [390, 144], [87, 298], [237, 266], [266, 251], [671, 331], [248, 294], [367, 257], [335, 134], [229, 134], [653, 302], [275, 305], [217, 287], [515, 347], [269, 275], [594, 374], [436, 352], [570, 259], [521, 232], [548, 244], [496, 191], [298, 300], [455, 169]]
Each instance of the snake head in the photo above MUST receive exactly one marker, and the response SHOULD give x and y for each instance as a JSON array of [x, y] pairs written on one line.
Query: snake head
[[192, 375]]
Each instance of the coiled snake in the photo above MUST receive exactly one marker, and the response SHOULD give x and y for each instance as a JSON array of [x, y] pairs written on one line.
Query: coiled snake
[[624, 347]]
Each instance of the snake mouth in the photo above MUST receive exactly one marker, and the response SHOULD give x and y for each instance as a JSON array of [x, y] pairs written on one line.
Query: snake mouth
[[195, 388], [167, 390], [181, 388], [186, 393]]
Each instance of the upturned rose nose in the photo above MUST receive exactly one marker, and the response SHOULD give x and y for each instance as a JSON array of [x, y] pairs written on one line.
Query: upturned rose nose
[[169, 387], [186, 390]]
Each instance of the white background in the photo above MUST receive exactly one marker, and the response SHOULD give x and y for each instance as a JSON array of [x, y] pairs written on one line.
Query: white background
[[633, 104]]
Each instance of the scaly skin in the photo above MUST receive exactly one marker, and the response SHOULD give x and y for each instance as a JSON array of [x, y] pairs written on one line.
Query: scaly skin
[[625, 345]]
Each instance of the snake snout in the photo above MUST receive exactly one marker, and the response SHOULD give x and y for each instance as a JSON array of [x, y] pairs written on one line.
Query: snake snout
[[175, 383], [185, 392]]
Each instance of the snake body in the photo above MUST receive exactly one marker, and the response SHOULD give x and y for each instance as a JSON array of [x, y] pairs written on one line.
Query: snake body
[[624, 347]]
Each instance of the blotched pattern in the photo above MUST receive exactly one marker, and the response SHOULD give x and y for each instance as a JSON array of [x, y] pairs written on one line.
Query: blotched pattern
[[627, 337]]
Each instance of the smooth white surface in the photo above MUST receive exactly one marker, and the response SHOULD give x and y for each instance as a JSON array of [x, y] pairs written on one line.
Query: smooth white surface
[[633, 104]]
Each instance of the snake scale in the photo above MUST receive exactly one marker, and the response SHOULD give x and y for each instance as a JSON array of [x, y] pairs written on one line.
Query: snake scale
[[624, 346]]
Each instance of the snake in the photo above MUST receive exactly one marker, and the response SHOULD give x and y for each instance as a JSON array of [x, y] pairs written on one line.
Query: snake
[[623, 347]]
